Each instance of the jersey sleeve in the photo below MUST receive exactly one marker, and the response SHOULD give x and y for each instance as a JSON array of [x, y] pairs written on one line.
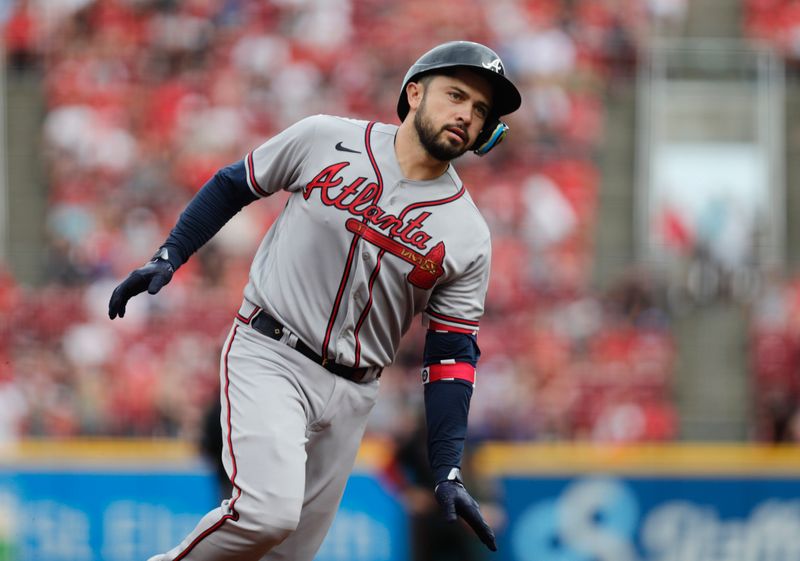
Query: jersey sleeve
[[457, 305], [277, 164]]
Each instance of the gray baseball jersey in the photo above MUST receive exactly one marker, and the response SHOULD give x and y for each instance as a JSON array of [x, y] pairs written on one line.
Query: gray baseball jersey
[[359, 250], [356, 253]]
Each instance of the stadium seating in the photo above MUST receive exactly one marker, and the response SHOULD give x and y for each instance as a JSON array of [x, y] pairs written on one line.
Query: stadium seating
[[147, 99]]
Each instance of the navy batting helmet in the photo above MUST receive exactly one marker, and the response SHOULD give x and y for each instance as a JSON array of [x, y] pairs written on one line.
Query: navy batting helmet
[[487, 63]]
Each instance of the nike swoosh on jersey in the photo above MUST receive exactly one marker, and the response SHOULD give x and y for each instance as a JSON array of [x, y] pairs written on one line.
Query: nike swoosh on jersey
[[341, 148]]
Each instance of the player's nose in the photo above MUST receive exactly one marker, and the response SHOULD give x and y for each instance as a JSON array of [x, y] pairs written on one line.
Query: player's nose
[[464, 114]]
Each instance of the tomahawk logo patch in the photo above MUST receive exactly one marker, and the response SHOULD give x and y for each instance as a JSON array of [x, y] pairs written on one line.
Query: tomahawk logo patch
[[426, 268]]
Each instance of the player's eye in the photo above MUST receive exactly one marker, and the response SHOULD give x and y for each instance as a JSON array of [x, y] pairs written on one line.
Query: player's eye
[[455, 96], [481, 111]]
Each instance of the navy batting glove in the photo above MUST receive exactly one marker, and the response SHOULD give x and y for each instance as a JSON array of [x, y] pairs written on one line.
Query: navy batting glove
[[151, 277], [455, 501]]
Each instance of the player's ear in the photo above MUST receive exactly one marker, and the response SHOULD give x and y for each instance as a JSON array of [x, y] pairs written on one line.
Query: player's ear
[[414, 92]]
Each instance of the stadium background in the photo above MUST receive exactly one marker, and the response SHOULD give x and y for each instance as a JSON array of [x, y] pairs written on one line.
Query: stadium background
[[644, 294]]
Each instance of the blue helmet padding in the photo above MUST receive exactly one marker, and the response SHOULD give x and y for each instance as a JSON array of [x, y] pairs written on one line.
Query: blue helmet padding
[[494, 138]]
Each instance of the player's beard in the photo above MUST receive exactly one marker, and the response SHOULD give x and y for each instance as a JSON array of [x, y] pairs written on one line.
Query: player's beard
[[431, 139]]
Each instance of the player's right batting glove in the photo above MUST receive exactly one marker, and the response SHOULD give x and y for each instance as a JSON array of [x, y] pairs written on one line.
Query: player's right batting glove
[[455, 501], [151, 277]]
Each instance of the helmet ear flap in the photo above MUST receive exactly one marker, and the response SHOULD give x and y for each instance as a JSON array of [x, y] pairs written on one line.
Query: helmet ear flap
[[492, 134]]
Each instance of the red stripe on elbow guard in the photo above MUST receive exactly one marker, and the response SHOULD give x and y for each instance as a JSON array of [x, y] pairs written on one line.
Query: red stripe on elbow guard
[[457, 371]]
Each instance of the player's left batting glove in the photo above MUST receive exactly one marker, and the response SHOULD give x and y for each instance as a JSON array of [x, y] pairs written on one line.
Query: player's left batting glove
[[455, 501], [151, 277]]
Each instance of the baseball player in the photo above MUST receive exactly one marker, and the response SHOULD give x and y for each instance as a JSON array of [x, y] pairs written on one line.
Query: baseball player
[[377, 228]]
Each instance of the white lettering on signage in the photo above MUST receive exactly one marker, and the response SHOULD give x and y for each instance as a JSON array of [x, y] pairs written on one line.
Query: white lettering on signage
[[600, 519]]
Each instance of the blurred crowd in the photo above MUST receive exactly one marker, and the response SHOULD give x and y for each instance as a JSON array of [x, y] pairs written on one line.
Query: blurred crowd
[[776, 22], [775, 359], [147, 98], [775, 328]]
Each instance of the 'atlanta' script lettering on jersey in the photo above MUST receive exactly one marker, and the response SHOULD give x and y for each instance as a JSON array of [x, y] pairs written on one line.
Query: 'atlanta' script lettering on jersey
[[359, 198]]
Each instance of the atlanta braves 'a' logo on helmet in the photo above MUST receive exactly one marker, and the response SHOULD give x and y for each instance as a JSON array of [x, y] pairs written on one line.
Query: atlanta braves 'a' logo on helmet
[[495, 66]]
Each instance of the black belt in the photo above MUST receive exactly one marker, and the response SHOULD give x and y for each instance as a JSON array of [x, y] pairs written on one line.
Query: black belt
[[272, 328]]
